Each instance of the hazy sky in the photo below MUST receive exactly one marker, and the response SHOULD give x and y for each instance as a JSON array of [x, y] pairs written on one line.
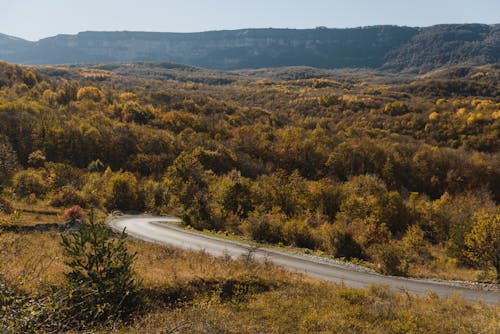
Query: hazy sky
[[35, 19]]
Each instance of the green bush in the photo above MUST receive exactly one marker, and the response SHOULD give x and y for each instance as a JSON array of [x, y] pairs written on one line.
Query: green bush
[[101, 281]]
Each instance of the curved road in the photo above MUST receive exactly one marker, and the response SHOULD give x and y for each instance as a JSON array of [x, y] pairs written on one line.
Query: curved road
[[154, 229]]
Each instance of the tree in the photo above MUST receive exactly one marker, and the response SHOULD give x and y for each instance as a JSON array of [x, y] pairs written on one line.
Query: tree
[[483, 242], [8, 161], [233, 193], [187, 191], [90, 93], [134, 112], [37, 159], [101, 279], [282, 190], [366, 198], [122, 192]]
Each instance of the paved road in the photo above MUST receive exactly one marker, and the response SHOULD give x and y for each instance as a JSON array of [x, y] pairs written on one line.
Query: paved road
[[154, 229]]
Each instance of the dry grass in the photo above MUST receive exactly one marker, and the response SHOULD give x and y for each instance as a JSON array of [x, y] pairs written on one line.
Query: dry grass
[[39, 212], [31, 261], [159, 265], [32, 214], [282, 302], [36, 260], [322, 308], [444, 267]]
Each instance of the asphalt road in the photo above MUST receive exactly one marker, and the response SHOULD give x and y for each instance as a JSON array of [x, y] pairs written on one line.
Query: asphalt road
[[154, 229]]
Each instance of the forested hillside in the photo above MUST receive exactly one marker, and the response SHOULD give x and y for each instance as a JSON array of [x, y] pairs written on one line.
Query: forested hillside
[[388, 47], [356, 167], [399, 173]]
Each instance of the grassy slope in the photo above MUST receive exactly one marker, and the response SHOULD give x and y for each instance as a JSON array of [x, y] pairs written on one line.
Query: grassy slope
[[193, 292]]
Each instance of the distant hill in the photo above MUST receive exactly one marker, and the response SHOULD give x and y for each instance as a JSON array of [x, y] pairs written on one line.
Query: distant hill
[[378, 47]]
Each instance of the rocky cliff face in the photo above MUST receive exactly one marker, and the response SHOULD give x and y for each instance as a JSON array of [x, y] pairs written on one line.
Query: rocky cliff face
[[387, 47]]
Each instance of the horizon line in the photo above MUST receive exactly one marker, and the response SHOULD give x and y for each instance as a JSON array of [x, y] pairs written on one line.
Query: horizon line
[[247, 28]]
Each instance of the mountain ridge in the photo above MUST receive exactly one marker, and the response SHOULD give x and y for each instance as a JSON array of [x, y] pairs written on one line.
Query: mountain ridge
[[386, 47]]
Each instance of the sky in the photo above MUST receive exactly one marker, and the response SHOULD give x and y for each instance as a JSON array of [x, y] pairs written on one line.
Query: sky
[[35, 19]]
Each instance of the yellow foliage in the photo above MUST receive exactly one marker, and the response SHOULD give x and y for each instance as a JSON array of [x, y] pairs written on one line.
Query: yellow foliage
[[461, 112], [478, 75], [484, 105], [49, 95], [475, 118], [128, 96], [90, 93], [441, 102], [434, 116]]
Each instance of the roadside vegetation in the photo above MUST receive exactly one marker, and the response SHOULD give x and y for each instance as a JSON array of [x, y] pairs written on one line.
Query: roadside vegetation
[[173, 291]]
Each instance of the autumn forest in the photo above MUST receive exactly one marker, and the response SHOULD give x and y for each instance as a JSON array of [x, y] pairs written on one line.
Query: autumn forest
[[396, 172]]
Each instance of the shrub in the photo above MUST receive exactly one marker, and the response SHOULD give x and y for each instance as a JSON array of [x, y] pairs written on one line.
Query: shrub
[[101, 278], [390, 259], [266, 227], [121, 193], [74, 213], [64, 174], [297, 232], [337, 240], [415, 243], [67, 196], [29, 182], [95, 166], [396, 108]]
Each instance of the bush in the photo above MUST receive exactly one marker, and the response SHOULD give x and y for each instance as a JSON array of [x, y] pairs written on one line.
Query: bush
[[74, 213], [265, 227], [101, 279], [64, 174], [340, 242], [122, 192], [67, 196], [298, 233], [396, 108], [390, 259], [29, 182]]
